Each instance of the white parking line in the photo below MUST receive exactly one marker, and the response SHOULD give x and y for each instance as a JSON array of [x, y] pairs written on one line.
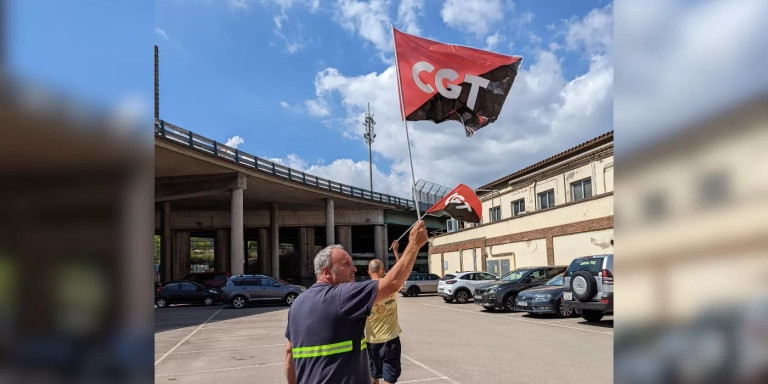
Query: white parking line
[[185, 339], [440, 375], [511, 317], [217, 336], [219, 370], [423, 380], [231, 349]]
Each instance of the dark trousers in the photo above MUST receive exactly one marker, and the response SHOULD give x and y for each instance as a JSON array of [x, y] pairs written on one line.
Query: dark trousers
[[384, 360]]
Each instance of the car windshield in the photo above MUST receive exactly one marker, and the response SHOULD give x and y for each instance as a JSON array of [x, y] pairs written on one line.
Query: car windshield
[[557, 280], [514, 275]]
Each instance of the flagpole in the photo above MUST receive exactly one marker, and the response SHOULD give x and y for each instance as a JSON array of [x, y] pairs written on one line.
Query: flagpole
[[409, 228], [407, 136]]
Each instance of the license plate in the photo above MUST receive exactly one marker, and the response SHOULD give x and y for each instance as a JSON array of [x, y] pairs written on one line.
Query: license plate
[[522, 304], [567, 295], [478, 297]]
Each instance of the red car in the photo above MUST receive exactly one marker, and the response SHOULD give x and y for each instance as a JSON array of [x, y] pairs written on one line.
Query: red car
[[209, 279]]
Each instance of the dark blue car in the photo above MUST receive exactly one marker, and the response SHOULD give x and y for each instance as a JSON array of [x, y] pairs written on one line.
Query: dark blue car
[[545, 298]]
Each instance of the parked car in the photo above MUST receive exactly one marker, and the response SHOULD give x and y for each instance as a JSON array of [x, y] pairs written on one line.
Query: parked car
[[546, 298], [244, 289], [501, 294], [589, 286], [420, 283], [185, 292], [209, 279], [461, 285]]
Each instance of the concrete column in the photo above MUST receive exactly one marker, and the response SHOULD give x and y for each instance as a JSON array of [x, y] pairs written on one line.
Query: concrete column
[[386, 247], [379, 248], [180, 254], [165, 243], [236, 246], [330, 223], [345, 237], [222, 252], [264, 251], [306, 251], [275, 244]]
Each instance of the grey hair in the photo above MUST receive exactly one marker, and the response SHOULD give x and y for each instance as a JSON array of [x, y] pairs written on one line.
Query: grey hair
[[323, 258]]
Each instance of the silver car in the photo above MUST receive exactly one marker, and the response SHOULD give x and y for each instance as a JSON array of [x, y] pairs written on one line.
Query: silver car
[[420, 283], [244, 289], [460, 286], [589, 286]]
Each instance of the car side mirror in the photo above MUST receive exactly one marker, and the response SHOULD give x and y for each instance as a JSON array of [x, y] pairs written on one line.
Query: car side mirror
[[527, 279]]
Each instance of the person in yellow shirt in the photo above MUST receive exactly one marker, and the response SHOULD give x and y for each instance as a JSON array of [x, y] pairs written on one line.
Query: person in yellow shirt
[[382, 330]]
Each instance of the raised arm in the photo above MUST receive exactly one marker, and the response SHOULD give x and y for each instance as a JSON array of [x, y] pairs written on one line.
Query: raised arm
[[395, 278], [395, 247]]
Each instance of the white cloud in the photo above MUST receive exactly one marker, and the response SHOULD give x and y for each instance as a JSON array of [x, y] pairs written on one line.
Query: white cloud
[[285, 104], [407, 13], [234, 141], [239, 4], [493, 40], [161, 33], [317, 107], [472, 16], [695, 69], [594, 33], [544, 114], [369, 20]]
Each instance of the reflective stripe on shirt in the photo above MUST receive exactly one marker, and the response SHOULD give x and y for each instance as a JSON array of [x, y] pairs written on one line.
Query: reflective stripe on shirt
[[325, 350]]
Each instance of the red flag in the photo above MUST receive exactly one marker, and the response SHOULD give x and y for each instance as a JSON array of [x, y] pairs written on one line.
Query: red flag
[[441, 82], [461, 204]]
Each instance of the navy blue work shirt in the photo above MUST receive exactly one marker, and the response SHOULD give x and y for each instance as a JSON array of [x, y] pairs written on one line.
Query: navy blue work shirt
[[326, 328]]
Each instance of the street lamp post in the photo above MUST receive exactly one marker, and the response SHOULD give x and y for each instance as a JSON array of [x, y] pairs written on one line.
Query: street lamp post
[[369, 136]]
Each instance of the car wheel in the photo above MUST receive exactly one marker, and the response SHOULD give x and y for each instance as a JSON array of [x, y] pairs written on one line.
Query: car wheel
[[413, 291], [509, 303], [208, 301], [562, 311], [289, 298], [238, 301], [583, 285], [462, 296], [591, 315], [161, 303], [489, 309], [447, 299]]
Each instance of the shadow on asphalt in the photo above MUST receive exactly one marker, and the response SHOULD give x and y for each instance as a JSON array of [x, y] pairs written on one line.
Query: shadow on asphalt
[[601, 323], [184, 316]]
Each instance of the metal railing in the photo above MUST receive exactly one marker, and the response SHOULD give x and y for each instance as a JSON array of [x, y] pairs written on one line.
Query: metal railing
[[192, 140]]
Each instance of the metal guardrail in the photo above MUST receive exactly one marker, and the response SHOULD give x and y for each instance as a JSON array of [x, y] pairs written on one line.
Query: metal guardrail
[[192, 140]]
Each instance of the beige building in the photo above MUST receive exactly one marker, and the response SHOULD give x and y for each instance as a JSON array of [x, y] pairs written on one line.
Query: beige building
[[545, 214]]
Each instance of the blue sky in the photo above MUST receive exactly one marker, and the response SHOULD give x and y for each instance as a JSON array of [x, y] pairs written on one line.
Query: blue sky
[[292, 79]]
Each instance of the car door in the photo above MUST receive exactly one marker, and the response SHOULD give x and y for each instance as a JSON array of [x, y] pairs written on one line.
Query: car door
[[252, 288], [534, 278], [172, 292], [272, 290], [191, 293], [431, 283]]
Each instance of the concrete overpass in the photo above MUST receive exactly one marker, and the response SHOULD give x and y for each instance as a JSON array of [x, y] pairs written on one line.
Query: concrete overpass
[[278, 217]]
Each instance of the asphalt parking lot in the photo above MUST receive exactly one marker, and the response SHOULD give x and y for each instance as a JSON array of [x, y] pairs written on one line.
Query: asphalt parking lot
[[442, 343]]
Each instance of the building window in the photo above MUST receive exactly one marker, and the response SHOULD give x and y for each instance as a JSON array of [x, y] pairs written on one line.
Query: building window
[[714, 189], [547, 199], [518, 207], [581, 190], [655, 206], [452, 225], [494, 213]]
